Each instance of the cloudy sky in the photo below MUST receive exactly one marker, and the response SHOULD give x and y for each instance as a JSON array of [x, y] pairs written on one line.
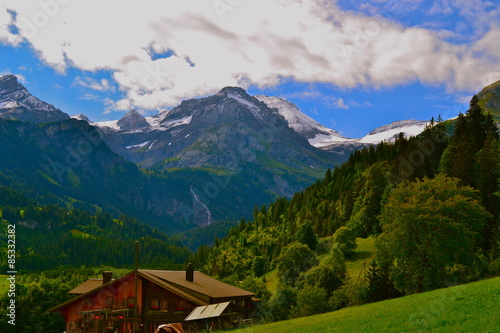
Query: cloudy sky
[[351, 65]]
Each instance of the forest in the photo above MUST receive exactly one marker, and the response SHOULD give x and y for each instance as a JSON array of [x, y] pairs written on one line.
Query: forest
[[431, 202]]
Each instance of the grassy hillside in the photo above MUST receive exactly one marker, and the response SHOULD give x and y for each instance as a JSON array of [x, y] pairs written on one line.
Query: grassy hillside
[[467, 308], [489, 99], [362, 255]]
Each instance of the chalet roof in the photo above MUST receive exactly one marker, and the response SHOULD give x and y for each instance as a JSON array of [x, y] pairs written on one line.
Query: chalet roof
[[202, 284], [87, 286], [170, 287], [173, 281]]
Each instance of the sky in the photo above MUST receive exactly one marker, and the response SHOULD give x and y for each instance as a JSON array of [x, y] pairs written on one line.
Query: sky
[[351, 65]]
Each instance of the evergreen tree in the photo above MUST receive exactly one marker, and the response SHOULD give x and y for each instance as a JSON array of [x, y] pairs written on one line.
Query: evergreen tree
[[306, 235]]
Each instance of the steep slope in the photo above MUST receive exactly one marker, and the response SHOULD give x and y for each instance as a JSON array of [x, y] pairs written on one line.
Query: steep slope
[[16, 102], [67, 162], [464, 308], [317, 134]]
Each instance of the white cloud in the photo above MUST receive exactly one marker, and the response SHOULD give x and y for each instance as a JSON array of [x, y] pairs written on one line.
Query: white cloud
[[257, 42], [6, 19], [87, 82], [89, 97], [341, 104]]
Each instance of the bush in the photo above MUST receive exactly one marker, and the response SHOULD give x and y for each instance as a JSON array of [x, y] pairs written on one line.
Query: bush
[[345, 240], [281, 303], [294, 259], [311, 300]]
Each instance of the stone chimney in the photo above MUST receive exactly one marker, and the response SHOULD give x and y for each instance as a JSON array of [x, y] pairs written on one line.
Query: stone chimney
[[190, 273], [107, 276]]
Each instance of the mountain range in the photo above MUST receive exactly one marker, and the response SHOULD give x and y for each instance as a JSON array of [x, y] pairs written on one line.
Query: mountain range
[[208, 159]]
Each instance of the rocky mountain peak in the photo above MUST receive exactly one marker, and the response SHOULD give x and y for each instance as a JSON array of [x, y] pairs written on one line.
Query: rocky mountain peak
[[9, 84], [132, 120], [234, 90], [17, 103], [81, 116]]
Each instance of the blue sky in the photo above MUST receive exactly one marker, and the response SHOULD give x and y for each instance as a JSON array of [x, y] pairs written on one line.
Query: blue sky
[[351, 65]]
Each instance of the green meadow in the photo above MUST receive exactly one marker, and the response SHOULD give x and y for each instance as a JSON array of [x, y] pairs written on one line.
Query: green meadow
[[473, 307]]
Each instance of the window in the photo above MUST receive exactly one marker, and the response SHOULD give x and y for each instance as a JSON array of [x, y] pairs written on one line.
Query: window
[[155, 304], [181, 306], [164, 305], [130, 301], [109, 300]]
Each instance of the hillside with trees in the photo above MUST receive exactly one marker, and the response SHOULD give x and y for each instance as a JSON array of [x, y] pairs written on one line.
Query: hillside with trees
[[431, 201], [55, 236]]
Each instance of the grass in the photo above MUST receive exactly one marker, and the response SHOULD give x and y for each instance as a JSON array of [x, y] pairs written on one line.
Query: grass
[[80, 234], [363, 254], [474, 307], [4, 284], [272, 281]]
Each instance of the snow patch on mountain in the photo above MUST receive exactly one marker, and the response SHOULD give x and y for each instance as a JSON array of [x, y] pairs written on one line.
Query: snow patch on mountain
[[81, 116], [139, 145], [155, 121], [323, 140], [389, 133], [317, 134], [177, 122], [256, 111], [16, 102], [113, 124], [8, 105]]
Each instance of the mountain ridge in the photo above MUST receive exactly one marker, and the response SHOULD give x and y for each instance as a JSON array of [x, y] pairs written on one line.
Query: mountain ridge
[[17, 103]]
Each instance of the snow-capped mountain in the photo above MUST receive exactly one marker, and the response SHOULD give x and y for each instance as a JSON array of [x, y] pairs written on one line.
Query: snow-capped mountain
[[386, 133], [17, 103], [389, 133], [151, 140], [317, 134], [325, 138], [208, 131], [81, 116]]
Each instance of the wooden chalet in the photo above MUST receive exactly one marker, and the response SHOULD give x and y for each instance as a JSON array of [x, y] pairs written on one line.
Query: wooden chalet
[[163, 297]]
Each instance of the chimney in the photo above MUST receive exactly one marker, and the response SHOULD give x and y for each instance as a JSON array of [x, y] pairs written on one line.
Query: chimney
[[190, 273], [106, 277]]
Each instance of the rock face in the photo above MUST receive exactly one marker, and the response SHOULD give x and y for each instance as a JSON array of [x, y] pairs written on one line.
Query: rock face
[[17, 103], [132, 120]]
